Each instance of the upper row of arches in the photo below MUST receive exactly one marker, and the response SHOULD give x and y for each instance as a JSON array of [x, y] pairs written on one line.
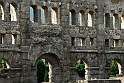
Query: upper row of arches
[[12, 10], [46, 15], [82, 18]]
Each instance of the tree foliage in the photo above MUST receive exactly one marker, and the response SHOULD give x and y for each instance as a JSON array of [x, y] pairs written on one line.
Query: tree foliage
[[113, 68], [2, 64], [42, 72], [80, 67], [46, 77]]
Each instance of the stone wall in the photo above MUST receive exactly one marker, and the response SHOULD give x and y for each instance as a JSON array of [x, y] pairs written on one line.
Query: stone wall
[[63, 42], [104, 81]]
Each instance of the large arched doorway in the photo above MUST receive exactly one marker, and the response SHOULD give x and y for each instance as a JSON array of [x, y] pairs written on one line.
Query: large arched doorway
[[3, 67], [43, 71], [82, 70], [54, 71], [115, 68]]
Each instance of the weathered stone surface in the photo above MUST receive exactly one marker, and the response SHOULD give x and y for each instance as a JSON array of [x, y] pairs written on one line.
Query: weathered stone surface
[[88, 30], [103, 81]]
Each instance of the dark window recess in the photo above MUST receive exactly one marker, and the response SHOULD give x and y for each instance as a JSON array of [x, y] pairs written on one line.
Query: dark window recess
[[106, 42], [73, 41]]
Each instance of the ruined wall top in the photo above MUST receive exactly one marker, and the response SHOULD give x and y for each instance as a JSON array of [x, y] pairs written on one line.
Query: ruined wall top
[[109, 2]]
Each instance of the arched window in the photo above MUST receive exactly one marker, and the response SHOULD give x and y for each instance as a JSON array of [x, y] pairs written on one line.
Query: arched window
[[44, 14], [122, 22], [14, 38], [107, 20], [33, 13], [115, 21], [1, 13], [54, 15], [81, 18], [90, 19], [13, 15], [72, 17]]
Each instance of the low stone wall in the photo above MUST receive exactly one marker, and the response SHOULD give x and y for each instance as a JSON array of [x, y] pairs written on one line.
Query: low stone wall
[[47, 82], [103, 81]]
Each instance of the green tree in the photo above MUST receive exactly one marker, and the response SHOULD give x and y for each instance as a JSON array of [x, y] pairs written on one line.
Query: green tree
[[46, 78], [113, 68], [2, 64], [42, 72], [80, 67]]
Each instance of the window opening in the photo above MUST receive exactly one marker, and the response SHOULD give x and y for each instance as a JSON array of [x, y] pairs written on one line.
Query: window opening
[[81, 16], [78, 41], [106, 42], [54, 15], [122, 22], [115, 21], [33, 14], [79, 19], [73, 41], [42, 16], [90, 19], [12, 13], [72, 17], [44, 11], [83, 41], [1, 13], [116, 43], [91, 41], [14, 39], [2, 38], [107, 20]]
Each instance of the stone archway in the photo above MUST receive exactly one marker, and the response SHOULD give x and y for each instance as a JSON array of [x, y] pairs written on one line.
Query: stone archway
[[76, 58], [116, 63], [54, 69], [82, 60]]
